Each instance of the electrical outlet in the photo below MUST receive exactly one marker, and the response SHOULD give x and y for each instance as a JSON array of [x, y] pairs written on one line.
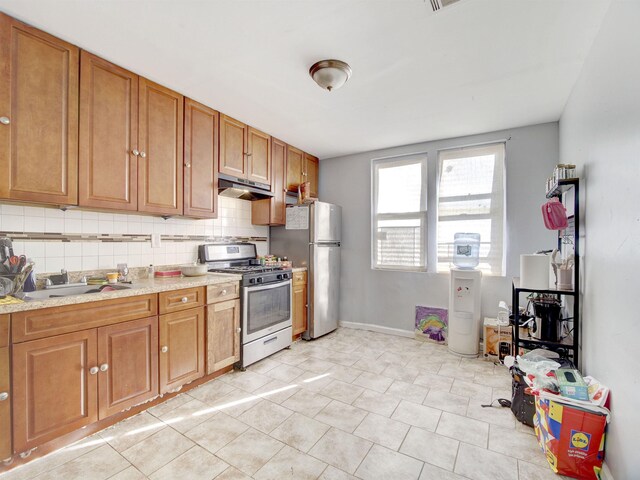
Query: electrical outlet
[[155, 240]]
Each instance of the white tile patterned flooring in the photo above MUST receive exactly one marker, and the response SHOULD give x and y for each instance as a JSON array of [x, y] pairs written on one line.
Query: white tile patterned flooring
[[354, 404]]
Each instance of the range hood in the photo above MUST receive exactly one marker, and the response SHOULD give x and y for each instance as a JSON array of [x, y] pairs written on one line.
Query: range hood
[[241, 188]]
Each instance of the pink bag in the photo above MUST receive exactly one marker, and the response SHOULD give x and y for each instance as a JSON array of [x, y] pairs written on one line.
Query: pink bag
[[554, 214]]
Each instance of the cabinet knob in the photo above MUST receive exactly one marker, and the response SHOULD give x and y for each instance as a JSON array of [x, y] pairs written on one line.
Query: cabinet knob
[[143, 155], [135, 152], [5, 120], [104, 367], [164, 349], [94, 370], [188, 165], [239, 330], [4, 396], [223, 292], [184, 299]]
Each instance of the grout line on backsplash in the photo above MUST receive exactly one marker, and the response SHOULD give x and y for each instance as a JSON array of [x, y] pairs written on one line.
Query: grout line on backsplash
[[37, 236]]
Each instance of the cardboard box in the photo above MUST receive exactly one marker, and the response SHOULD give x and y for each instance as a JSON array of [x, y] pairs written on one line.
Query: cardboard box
[[497, 340]]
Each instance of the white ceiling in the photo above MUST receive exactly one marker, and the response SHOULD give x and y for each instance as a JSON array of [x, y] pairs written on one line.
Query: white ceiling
[[476, 66]]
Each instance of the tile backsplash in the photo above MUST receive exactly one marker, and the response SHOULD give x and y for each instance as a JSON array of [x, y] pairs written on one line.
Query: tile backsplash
[[107, 247]]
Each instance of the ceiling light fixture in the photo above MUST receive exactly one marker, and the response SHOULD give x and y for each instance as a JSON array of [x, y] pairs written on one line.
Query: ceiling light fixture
[[330, 74]]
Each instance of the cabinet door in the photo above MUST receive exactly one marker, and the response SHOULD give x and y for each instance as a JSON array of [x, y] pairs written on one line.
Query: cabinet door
[[295, 158], [279, 179], [128, 362], [200, 160], [181, 348], [108, 166], [259, 156], [39, 100], [299, 317], [223, 335], [271, 211], [54, 390], [233, 147], [161, 151], [311, 174], [5, 405]]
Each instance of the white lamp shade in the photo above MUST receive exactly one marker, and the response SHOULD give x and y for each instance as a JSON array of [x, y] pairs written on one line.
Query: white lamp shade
[[330, 74]]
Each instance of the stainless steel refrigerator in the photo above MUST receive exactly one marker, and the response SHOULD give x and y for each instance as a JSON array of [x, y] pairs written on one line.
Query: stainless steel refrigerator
[[311, 238]]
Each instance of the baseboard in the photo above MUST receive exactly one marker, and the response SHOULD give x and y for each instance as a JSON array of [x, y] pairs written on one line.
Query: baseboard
[[606, 473], [378, 328]]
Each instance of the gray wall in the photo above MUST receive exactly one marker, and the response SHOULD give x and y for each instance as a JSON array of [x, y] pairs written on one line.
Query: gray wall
[[600, 132], [389, 298]]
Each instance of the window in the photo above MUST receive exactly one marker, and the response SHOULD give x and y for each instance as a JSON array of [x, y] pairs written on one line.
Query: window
[[471, 198], [399, 209]]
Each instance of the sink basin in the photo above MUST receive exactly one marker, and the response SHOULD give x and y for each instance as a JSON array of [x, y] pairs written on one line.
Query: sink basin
[[69, 291]]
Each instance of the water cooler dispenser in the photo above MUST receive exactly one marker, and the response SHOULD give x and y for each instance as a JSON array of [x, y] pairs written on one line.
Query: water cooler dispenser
[[464, 296]]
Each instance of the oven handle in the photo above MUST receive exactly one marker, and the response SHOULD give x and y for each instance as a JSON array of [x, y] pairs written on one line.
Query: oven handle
[[269, 286]]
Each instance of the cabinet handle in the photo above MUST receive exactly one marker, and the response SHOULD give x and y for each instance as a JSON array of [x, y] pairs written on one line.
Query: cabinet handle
[[164, 349], [239, 330], [143, 155], [184, 299], [5, 120], [223, 292], [104, 367], [94, 370], [135, 152], [4, 396]]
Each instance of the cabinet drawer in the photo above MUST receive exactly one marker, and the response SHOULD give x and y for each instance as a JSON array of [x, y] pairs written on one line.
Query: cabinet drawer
[[299, 277], [178, 300], [47, 322], [222, 292], [4, 330]]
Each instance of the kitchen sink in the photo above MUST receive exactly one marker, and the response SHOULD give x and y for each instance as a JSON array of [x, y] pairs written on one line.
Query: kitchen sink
[[69, 291]]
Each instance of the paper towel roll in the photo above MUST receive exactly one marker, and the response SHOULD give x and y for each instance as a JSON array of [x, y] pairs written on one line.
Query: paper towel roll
[[534, 271]]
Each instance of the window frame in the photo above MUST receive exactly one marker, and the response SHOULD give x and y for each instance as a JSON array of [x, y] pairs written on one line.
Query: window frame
[[466, 152], [390, 162]]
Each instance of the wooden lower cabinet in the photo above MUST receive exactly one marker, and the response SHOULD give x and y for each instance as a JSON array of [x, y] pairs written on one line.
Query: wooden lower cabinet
[[54, 387], [128, 362], [182, 350], [5, 405], [299, 314], [223, 334]]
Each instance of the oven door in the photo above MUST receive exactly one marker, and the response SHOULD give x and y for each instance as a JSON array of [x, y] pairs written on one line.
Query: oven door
[[265, 309]]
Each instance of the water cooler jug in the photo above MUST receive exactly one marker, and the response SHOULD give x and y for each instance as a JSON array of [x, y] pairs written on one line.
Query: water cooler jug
[[464, 312]]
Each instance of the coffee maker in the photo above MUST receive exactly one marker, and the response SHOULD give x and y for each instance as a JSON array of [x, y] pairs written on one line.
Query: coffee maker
[[547, 312]]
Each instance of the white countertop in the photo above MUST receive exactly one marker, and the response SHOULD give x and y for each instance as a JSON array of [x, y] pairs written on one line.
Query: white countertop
[[138, 287]]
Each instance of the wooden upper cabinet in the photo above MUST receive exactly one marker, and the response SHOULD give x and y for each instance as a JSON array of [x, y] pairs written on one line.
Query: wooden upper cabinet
[[311, 174], [182, 353], [295, 159], [128, 363], [233, 147], [271, 211], [161, 150], [108, 167], [54, 387], [258, 156], [38, 115], [200, 160]]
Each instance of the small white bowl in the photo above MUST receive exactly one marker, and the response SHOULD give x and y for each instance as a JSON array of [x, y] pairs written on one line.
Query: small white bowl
[[194, 270]]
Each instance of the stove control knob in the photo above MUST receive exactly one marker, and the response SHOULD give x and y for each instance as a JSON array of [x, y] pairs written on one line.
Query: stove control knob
[[280, 276], [259, 279], [285, 275], [252, 280]]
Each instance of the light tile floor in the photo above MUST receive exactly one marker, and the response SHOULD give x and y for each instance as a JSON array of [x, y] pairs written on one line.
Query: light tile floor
[[354, 404]]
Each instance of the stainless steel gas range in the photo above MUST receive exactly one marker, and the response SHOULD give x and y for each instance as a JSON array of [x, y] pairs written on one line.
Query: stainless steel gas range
[[266, 300]]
